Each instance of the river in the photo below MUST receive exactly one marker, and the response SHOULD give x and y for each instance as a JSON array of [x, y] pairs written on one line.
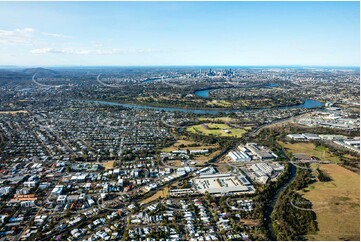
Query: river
[[308, 103], [204, 93]]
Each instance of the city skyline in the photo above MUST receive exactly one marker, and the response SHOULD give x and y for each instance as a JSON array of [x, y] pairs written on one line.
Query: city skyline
[[180, 33]]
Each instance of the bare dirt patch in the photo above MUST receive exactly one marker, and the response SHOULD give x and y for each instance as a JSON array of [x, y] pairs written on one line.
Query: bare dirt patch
[[109, 164]]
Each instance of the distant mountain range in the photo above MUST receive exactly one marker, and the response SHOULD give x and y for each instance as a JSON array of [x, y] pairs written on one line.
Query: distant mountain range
[[20, 75], [39, 71]]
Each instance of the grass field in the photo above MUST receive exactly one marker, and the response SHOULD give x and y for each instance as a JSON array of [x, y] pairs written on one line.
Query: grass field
[[219, 119], [13, 112], [200, 159], [180, 142], [217, 130], [161, 193], [176, 163], [336, 204], [109, 164], [219, 103], [310, 149], [176, 145]]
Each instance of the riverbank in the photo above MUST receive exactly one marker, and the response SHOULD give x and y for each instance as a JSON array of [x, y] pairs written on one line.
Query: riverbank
[[204, 92], [308, 104], [276, 196]]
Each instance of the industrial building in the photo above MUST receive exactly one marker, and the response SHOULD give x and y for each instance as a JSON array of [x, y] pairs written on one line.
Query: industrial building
[[310, 136], [222, 183], [251, 151], [296, 136], [206, 171], [262, 172], [239, 156], [261, 152], [351, 144]]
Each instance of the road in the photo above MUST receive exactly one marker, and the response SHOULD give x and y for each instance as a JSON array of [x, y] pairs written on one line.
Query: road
[[279, 121]]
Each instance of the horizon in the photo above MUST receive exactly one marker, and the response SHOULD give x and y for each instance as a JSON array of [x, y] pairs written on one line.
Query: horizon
[[151, 66]]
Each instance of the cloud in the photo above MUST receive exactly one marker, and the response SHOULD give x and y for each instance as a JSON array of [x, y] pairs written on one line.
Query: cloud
[[93, 51], [43, 51], [18, 36], [56, 35], [25, 36]]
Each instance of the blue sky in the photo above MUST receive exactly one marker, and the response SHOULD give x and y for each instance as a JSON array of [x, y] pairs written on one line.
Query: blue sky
[[180, 33]]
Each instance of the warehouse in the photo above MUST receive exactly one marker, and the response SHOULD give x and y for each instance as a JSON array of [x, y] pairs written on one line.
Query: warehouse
[[239, 156], [296, 136], [311, 136], [221, 183], [262, 153]]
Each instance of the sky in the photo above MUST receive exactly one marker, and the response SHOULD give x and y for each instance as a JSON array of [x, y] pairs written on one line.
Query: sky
[[179, 33]]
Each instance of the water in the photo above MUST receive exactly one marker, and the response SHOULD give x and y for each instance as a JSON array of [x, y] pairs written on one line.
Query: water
[[148, 80], [204, 93], [308, 103]]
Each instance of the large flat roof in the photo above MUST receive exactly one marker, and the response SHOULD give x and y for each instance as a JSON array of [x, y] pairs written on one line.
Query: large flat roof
[[219, 183]]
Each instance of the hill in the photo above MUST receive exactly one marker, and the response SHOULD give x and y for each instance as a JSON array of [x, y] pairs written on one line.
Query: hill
[[40, 71]]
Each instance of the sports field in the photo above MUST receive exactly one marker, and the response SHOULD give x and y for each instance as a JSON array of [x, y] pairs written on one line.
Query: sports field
[[222, 130]]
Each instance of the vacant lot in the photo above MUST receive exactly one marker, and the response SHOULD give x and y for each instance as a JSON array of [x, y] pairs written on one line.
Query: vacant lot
[[159, 194], [310, 149], [336, 204], [13, 112], [176, 163], [177, 144], [222, 130], [201, 159], [183, 144], [108, 164]]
